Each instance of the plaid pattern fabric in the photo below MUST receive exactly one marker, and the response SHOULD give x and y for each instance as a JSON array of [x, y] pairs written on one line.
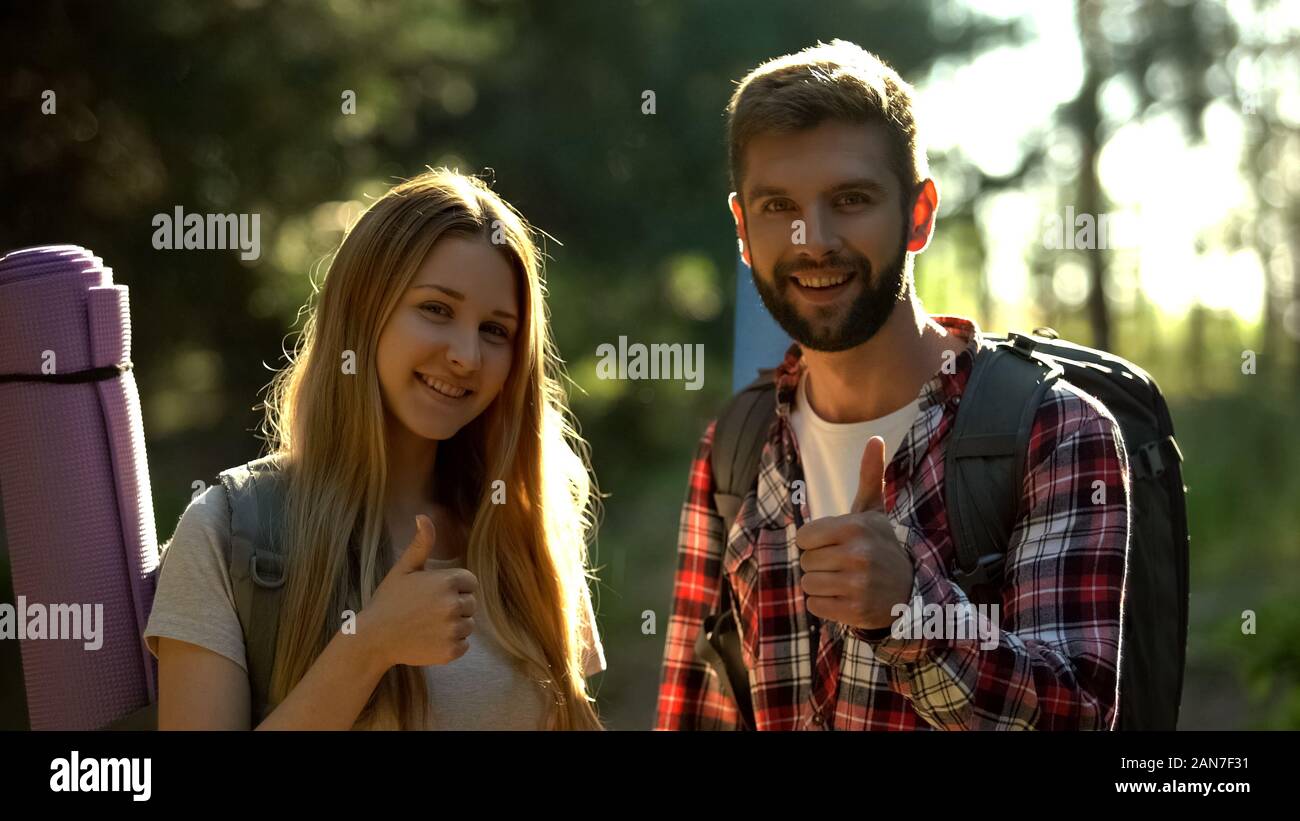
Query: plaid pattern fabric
[[1056, 663]]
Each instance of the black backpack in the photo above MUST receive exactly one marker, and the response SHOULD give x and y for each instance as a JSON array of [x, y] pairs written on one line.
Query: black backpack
[[984, 466]]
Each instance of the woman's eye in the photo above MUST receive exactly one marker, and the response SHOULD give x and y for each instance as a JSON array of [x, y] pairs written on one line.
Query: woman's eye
[[436, 308], [497, 330]]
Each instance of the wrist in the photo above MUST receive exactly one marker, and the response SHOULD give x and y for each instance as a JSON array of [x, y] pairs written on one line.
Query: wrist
[[367, 648]]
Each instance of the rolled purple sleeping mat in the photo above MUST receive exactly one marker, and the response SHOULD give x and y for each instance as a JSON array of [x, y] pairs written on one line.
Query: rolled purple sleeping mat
[[74, 481]]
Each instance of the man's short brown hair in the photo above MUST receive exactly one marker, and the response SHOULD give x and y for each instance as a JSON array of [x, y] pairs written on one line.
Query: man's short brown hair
[[837, 81]]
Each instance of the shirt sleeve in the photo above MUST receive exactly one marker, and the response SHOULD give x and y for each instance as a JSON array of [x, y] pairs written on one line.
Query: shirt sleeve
[[194, 601], [690, 695], [1055, 664]]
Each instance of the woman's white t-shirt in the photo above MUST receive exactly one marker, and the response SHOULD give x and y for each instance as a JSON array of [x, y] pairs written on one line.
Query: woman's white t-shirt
[[482, 690]]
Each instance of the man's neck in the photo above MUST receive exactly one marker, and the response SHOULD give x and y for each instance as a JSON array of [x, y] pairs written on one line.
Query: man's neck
[[882, 374]]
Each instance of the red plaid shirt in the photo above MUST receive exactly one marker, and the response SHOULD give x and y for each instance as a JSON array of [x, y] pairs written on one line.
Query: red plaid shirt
[[1056, 663]]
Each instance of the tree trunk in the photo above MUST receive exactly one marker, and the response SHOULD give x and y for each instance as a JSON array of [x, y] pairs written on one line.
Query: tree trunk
[[1088, 117]]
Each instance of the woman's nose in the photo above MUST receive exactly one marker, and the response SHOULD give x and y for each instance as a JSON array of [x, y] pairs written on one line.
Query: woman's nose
[[464, 354]]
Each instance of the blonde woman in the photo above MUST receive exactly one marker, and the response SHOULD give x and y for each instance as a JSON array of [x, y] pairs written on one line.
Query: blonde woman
[[433, 508]]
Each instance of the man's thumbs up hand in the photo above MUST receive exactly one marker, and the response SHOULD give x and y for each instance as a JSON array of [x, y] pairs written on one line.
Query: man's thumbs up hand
[[871, 478], [854, 568]]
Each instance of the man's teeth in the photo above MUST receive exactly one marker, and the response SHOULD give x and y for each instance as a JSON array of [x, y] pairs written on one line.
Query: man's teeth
[[821, 282], [442, 387]]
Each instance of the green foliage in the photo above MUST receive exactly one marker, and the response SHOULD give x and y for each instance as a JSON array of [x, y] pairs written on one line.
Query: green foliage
[[235, 107]]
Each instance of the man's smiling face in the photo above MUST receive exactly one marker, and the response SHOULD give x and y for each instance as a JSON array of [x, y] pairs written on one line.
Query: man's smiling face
[[836, 289]]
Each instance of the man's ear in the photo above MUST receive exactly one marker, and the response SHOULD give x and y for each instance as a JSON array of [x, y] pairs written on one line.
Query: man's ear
[[924, 210], [733, 202]]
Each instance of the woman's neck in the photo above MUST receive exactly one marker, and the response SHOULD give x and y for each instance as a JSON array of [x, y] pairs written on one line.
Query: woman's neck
[[411, 463]]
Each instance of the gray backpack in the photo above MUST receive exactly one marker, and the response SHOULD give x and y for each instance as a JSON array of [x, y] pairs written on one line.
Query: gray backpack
[[984, 467], [255, 492]]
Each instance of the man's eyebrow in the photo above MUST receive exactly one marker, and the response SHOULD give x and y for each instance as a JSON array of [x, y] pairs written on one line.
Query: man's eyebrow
[[760, 191], [861, 183], [457, 295], [858, 184]]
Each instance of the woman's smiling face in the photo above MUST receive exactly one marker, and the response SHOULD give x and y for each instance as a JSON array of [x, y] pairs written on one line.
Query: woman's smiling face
[[446, 349]]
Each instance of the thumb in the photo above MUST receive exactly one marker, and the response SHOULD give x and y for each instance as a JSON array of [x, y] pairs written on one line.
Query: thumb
[[412, 559], [871, 478]]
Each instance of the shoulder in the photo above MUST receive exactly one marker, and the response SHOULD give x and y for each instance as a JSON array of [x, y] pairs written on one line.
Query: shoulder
[[268, 470], [198, 552], [745, 421], [205, 521], [1070, 416], [701, 483], [194, 599]]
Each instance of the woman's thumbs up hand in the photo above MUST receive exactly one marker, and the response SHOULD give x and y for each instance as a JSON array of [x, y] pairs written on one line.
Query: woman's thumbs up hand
[[419, 617]]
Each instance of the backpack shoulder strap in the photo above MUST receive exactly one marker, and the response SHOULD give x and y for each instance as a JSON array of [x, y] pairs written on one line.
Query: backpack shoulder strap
[[738, 438], [255, 492], [985, 456]]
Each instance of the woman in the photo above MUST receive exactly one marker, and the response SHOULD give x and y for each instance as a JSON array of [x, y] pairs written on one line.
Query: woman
[[423, 408]]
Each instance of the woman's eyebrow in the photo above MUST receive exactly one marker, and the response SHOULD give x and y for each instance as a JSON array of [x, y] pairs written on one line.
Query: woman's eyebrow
[[457, 295]]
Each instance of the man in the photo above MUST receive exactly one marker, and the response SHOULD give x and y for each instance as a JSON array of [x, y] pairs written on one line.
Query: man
[[845, 525]]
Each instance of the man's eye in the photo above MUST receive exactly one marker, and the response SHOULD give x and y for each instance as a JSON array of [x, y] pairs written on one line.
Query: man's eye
[[772, 206], [852, 199]]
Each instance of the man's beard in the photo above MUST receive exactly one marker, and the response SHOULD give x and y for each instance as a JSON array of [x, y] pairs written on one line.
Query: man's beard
[[866, 316]]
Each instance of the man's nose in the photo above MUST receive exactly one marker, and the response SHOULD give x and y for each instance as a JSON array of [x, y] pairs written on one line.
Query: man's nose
[[821, 235]]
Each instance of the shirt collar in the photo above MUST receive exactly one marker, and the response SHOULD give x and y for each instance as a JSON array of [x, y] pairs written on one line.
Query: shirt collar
[[940, 389]]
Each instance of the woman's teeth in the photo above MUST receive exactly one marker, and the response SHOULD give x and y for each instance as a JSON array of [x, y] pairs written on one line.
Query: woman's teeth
[[821, 282], [450, 391]]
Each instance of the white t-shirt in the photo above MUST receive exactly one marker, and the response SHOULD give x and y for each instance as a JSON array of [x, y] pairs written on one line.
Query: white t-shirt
[[831, 453]]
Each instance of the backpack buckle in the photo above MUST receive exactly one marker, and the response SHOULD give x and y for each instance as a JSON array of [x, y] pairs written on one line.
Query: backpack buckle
[[276, 563], [1153, 462], [979, 583], [1022, 344]]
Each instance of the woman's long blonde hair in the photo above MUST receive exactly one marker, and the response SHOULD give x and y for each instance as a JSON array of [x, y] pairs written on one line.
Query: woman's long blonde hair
[[528, 554]]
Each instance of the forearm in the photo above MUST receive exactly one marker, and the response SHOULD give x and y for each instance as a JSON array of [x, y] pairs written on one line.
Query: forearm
[[335, 689], [1000, 679], [1055, 663]]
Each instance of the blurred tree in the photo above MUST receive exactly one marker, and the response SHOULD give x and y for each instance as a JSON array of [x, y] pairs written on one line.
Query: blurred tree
[[237, 107], [1164, 50], [1258, 70], [1086, 114]]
